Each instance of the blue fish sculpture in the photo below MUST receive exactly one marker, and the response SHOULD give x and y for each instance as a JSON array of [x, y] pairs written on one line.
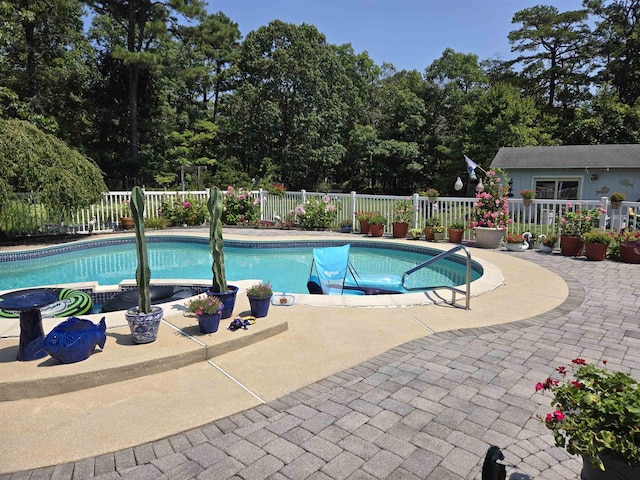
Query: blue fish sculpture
[[74, 339]]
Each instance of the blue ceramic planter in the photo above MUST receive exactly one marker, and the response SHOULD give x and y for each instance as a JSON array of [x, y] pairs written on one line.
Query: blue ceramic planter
[[228, 300], [209, 323], [259, 306]]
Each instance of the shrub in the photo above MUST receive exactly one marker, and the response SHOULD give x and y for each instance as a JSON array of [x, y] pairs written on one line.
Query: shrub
[[317, 212], [240, 207]]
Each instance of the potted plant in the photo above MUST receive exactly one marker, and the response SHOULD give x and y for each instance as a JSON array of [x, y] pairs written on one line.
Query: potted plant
[[547, 242], [596, 243], [596, 415], [414, 233], [438, 233], [515, 243], [490, 215], [432, 194], [616, 199], [346, 226], [575, 221], [144, 320], [207, 310], [429, 223], [376, 225], [527, 196], [126, 220], [363, 218], [259, 295], [219, 288], [402, 215], [456, 231]]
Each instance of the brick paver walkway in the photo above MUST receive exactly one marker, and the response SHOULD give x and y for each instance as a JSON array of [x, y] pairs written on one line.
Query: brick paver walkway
[[427, 409]]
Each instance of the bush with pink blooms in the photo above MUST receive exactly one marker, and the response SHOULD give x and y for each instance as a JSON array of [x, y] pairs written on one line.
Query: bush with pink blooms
[[596, 412], [205, 305], [240, 207], [576, 220], [316, 212], [491, 208]]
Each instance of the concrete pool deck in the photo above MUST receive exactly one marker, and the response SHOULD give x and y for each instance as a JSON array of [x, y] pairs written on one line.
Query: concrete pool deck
[[416, 390]]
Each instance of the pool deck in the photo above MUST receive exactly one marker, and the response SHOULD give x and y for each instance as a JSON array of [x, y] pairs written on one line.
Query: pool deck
[[330, 392]]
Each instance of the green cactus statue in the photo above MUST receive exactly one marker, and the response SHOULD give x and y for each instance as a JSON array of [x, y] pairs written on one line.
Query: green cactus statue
[[215, 241], [143, 272]]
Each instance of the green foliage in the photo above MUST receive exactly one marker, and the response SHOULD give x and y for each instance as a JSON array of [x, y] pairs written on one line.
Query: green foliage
[[597, 412], [189, 211], [216, 243], [205, 305], [33, 161], [260, 290], [317, 212], [403, 211], [577, 220], [597, 236], [240, 207], [378, 219], [158, 223], [143, 271]]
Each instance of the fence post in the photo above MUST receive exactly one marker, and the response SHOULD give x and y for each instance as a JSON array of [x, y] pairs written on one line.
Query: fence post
[[353, 208], [261, 195], [415, 200]]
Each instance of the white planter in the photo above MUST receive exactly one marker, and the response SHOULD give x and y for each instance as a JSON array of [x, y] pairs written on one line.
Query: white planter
[[489, 237], [516, 247]]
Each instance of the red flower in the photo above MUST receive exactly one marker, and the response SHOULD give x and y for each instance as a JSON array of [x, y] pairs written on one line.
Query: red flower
[[562, 371], [579, 361], [576, 384]]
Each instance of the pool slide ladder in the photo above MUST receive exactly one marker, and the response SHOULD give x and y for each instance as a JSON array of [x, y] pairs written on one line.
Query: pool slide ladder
[[454, 290]]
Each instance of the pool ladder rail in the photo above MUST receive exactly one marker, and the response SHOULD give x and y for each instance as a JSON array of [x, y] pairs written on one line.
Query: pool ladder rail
[[454, 290]]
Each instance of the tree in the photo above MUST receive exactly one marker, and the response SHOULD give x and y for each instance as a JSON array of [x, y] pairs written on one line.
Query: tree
[[33, 161], [48, 63], [617, 37], [138, 27], [289, 105], [559, 44]]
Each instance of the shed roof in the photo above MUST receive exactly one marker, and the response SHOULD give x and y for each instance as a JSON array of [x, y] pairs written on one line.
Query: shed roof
[[569, 156]]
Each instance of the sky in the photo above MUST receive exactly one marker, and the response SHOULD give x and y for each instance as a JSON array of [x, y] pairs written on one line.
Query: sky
[[410, 34]]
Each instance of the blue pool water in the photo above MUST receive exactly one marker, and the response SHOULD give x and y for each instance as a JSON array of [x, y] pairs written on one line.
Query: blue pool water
[[286, 267]]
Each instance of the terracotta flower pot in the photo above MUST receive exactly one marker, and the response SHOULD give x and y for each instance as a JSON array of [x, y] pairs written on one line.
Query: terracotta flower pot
[[400, 229], [630, 252], [595, 251], [364, 226], [376, 230], [455, 235], [126, 223], [428, 234], [571, 245]]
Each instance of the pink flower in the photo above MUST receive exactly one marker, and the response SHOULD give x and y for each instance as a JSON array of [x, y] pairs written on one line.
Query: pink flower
[[326, 199]]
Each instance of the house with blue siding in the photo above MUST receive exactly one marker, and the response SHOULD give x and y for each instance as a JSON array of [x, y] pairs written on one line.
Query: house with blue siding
[[573, 172]]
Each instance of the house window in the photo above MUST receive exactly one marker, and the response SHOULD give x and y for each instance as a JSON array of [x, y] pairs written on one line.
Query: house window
[[557, 189]]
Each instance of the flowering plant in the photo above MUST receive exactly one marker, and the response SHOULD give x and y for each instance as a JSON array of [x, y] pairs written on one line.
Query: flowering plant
[[260, 290], [528, 194], [512, 238], [596, 413], [550, 240], [276, 189], [576, 220], [240, 207], [616, 239], [597, 236], [437, 229], [187, 211], [432, 193], [364, 215], [207, 305], [491, 208], [403, 211], [317, 212]]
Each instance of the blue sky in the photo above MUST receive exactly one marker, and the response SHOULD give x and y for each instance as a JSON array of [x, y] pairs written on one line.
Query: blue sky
[[410, 34]]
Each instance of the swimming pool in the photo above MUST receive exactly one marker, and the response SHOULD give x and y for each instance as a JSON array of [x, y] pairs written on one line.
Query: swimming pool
[[285, 264]]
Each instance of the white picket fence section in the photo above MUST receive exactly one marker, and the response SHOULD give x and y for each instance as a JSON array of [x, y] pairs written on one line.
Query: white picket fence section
[[26, 216]]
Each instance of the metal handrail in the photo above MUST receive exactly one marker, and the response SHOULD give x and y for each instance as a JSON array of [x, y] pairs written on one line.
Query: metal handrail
[[435, 259]]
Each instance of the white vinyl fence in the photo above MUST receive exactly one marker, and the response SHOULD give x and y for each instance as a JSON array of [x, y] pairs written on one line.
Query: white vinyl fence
[[26, 216]]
